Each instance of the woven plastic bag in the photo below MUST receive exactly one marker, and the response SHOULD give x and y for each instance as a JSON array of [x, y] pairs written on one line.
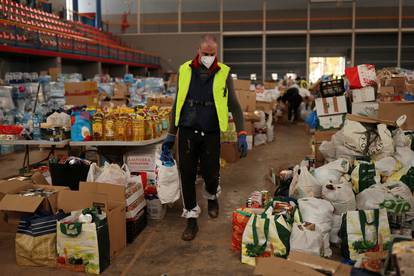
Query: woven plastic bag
[[363, 231], [265, 235], [83, 247], [363, 176]]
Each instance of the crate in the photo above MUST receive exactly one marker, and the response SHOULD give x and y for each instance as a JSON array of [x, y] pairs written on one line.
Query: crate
[[332, 88], [136, 226]]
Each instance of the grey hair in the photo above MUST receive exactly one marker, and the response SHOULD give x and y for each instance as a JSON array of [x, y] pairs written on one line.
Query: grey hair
[[206, 38]]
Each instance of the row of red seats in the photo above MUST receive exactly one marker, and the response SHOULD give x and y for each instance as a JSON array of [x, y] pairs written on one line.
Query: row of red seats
[[42, 19], [95, 32], [32, 10]]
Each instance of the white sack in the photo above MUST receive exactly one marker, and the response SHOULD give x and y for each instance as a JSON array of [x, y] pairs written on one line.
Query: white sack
[[328, 150], [387, 166], [355, 136], [304, 184], [341, 196], [319, 212], [373, 196], [305, 240], [332, 172], [336, 226], [167, 181], [405, 155]]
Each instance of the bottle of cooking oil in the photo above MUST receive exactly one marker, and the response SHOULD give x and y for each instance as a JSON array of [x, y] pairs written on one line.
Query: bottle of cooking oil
[[121, 124], [110, 125], [149, 128], [129, 133], [137, 122], [98, 125]]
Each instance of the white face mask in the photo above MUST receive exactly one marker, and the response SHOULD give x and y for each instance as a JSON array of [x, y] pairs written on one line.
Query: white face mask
[[207, 60]]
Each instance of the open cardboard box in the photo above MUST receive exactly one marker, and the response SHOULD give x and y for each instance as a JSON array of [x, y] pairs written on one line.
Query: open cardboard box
[[299, 264], [111, 198], [13, 205]]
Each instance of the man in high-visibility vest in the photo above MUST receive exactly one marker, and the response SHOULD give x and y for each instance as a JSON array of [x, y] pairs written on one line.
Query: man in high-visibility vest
[[205, 96]]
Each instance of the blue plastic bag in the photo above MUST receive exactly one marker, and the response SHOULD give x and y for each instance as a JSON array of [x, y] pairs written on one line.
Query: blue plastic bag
[[312, 120]]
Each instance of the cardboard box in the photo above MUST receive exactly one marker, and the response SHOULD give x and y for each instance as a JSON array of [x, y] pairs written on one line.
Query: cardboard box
[[369, 109], [386, 91], [241, 85], [331, 122], [11, 201], [160, 101], [55, 73], [81, 93], [391, 111], [230, 152], [321, 136], [249, 127], [398, 83], [331, 106], [273, 266], [120, 91], [12, 205], [366, 94], [369, 120], [251, 117], [328, 267], [409, 87], [267, 107], [269, 85], [247, 100], [106, 196]]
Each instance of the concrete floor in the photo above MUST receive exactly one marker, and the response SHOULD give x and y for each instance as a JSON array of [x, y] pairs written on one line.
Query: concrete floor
[[159, 250]]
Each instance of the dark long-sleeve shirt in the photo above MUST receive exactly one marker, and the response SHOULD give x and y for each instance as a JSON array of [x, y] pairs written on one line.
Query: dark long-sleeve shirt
[[233, 103]]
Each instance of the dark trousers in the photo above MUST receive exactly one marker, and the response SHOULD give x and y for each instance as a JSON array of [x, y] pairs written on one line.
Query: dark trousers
[[194, 147], [293, 111]]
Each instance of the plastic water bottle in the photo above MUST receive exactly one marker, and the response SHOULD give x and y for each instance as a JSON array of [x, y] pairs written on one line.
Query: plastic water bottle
[[36, 127]]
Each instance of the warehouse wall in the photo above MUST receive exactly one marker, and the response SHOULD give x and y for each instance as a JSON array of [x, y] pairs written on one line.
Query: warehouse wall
[[174, 49]]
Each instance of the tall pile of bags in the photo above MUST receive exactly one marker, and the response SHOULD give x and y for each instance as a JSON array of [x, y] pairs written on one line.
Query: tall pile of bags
[[347, 201]]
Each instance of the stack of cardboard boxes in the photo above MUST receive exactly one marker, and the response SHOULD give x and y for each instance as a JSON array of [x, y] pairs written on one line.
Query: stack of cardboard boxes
[[248, 104], [110, 198], [391, 92]]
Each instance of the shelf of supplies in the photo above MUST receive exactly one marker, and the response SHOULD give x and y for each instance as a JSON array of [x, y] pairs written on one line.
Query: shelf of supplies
[[118, 143], [33, 142]]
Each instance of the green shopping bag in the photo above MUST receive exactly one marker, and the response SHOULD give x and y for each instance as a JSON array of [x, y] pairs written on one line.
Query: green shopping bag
[[83, 247], [363, 231], [363, 176], [265, 235]]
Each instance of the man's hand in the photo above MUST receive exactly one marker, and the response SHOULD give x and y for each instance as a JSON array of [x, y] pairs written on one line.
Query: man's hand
[[242, 144]]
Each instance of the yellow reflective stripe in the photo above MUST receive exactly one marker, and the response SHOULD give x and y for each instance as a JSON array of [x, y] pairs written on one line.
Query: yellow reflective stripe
[[219, 92]]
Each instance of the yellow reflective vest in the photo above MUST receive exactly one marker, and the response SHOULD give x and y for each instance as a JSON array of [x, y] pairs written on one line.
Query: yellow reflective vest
[[219, 92]]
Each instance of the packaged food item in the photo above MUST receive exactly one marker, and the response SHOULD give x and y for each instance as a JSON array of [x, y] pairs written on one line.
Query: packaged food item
[[98, 125], [109, 126]]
